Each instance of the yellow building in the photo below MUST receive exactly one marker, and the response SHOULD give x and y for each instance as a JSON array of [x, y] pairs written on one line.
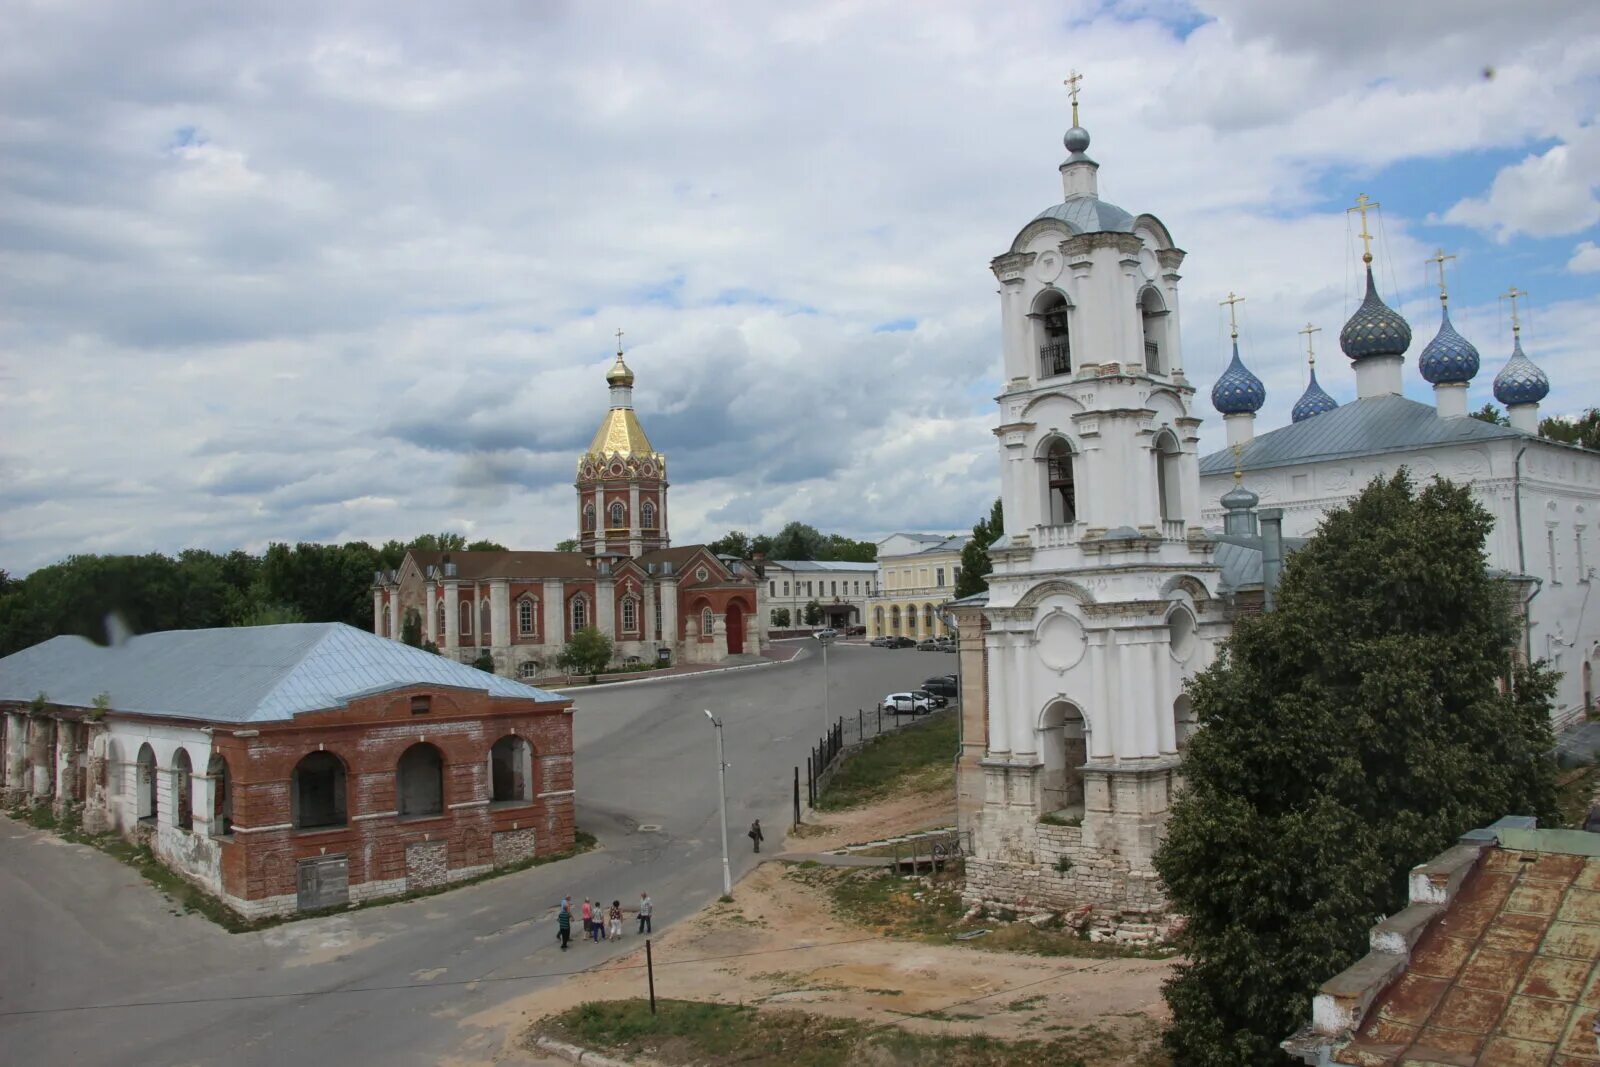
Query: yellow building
[[916, 574]]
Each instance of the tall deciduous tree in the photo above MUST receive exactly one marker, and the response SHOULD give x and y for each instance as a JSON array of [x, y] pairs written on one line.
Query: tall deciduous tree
[[1584, 430], [587, 653], [1348, 735], [797, 541], [975, 565]]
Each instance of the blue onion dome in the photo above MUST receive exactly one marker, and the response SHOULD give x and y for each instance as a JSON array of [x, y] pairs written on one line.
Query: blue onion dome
[[1520, 381], [1449, 357], [1314, 401], [1238, 392], [1375, 329]]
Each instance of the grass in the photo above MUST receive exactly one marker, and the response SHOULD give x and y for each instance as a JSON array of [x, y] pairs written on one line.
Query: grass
[[718, 1035], [188, 898], [1575, 790], [930, 909], [922, 754]]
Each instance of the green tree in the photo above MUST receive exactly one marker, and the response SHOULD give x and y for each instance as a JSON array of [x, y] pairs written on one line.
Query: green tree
[[270, 615], [975, 565], [569, 544], [587, 653], [485, 546], [797, 541], [813, 614], [484, 662], [780, 618], [439, 542], [411, 628], [1584, 430], [1491, 414], [732, 543], [845, 550], [1348, 735]]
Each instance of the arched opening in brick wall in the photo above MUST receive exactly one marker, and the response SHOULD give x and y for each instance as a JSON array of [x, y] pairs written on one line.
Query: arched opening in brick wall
[[420, 784], [221, 795], [145, 789], [511, 770], [317, 792], [1063, 749], [182, 791]]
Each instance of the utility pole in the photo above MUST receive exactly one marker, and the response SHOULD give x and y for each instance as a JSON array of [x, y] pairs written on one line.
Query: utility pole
[[722, 805], [827, 714]]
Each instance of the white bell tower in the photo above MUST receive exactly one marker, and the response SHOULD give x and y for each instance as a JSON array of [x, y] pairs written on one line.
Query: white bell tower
[[1101, 600]]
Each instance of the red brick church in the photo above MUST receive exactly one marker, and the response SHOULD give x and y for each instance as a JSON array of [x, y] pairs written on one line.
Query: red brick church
[[626, 580]]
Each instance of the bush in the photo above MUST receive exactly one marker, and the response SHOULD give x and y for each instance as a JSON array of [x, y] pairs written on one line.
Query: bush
[[484, 662], [587, 653]]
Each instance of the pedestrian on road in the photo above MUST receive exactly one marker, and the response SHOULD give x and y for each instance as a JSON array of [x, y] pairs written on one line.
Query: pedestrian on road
[[756, 836], [616, 919], [645, 908], [588, 918], [564, 923], [599, 928]]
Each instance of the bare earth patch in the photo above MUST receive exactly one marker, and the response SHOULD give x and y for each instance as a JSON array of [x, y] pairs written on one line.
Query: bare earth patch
[[929, 807]]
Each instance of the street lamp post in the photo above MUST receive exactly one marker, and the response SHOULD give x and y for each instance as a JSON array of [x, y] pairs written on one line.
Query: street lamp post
[[722, 804], [827, 713]]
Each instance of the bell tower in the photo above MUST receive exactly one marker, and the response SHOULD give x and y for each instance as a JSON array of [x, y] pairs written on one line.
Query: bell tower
[[622, 479]]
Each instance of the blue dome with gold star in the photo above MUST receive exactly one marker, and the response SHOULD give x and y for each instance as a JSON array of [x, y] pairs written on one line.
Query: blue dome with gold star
[[1375, 329], [1314, 401], [1520, 381], [1238, 392], [1449, 357]]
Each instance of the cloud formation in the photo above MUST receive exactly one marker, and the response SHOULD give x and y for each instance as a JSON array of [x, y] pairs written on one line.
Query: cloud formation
[[352, 271]]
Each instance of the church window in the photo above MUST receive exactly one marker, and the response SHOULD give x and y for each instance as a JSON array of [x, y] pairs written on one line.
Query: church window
[[527, 615], [630, 615], [1168, 478], [511, 770], [1183, 722], [588, 517], [618, 515], [485, 627], [658, 615], [466, 617], [439, 632], [708, 622], [1049, 316], [221, 796], [580, 612], [1061, 507], [317, 792], [772, 588], [647, 515], [833, 588], [1152, 320]]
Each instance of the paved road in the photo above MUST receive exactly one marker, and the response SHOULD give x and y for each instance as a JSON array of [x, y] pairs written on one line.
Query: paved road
[[401, 984]]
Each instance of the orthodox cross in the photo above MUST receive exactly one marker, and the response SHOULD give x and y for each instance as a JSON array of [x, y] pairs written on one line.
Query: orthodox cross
[[1440, 258], [1238, 463], [1311, 355], [1364, 204], [619, 340], [1511, 295], [1072, 90], [1233, 324]]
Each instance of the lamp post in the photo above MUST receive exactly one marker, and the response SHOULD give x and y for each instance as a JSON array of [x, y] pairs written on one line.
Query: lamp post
[[722, 804], [827, 714]]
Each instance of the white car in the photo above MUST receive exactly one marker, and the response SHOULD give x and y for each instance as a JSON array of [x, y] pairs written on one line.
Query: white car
[[826, 635], [906, 704]]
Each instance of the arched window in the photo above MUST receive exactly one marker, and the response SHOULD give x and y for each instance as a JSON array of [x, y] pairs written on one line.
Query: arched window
[[630, 615], [439, 629], [647, 515], [1063, 748], [221, 795], [1152, 320], [1060, 488], [588, 517], [317, 792], [485, 626], [580, 612], [511, 770], [182, 791], [894, 619], [420, 781], [1168, 478], [927, 619], [527, 616], [619, 515], [1050, 312], [528, 668], [146, 783], [466, 618], [877, 621], [708, 622]]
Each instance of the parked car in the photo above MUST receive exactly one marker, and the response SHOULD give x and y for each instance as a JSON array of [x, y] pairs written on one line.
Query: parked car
[[948, 644], [936, 699], [826, 634], [906, 704], [928, 644], [855, 631], [882, 642], [900, 642], [941, 687]]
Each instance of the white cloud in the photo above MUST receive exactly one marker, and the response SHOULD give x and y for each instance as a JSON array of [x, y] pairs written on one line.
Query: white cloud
[[1546, 195], [1585, 258]]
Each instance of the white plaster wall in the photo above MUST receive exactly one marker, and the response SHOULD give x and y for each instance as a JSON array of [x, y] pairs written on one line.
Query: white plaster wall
[[193, 853]]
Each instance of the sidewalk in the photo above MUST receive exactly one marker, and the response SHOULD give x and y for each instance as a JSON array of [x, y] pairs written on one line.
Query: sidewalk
[[769, 656]]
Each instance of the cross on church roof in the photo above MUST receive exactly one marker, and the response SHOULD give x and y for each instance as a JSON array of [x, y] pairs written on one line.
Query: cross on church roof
[[1311, 355], [1364, 204], [1439, 257], [1512, 294], [619, 340], [1071, 83], [1233, 324]]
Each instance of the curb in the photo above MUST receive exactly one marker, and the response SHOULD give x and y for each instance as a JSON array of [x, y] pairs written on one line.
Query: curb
[[670, 677], [577, 1054]]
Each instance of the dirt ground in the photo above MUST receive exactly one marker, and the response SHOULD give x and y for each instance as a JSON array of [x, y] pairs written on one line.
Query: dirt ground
[[780, 944], [919, 809]]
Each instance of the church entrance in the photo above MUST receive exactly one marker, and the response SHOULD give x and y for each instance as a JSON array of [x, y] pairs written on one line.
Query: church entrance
[[735, 624]]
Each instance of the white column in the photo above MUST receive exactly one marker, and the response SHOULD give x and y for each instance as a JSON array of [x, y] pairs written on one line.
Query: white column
[[500, 613], [393, 593], [66, 758], [40, 731], [605, 607], [1524, 417], [669, 614], [430, 622], [203, 798], [647, 609], [1024, 721], [377, 610], [16, 750], [1241, 428], [555, 609], [452, 615], [1001, 704]]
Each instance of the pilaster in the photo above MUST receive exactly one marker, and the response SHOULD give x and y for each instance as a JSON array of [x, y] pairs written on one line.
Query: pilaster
[[452, 615]]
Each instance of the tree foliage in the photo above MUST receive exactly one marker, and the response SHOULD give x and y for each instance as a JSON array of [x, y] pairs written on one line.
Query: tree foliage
[[975, 565], [1491, 414], [780, 618], [797, 540], [1584, 430], [813, 613], [411, 628], [484, 661], [587, 653], [569, 544], [1348, 735]]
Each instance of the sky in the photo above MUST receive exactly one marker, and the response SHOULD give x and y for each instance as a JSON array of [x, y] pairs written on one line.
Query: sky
[[324, 272]]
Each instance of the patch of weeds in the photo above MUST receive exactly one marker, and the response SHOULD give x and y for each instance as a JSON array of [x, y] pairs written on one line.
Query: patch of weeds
[[889, 762], [1051, 818], [1063, 864], [806, 865], [1024, 1003], [1575, 790], [946, 1016]]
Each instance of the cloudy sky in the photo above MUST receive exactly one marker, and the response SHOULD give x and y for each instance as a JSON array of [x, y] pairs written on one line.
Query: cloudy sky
[[310, 271]]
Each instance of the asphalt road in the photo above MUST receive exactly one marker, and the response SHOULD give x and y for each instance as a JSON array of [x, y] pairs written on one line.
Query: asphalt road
[[403, 983]]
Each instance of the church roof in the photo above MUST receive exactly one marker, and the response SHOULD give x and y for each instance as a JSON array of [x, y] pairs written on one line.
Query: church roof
[[1363, 427], [1089, 214], [241, 674], [620, 434], [473, 566]]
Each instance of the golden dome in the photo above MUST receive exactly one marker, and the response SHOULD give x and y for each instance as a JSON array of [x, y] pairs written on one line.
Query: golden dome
[[619, 374]]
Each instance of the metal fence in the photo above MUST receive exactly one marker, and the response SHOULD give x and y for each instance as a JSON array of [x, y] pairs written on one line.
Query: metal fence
[[847, 733]]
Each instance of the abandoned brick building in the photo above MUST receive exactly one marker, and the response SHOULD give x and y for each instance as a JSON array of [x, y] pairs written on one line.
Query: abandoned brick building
[[290, 767]]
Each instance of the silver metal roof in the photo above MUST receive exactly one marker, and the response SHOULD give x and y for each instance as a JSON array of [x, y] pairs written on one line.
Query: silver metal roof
[[823, 565], [1360, 428], [241, 674], [1089, 214]]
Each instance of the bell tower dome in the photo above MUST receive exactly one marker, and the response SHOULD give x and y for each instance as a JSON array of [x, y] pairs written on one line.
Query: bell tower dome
[[622, 479]]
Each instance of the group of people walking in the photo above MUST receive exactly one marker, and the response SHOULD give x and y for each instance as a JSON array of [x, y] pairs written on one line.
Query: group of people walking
[[600, 923]]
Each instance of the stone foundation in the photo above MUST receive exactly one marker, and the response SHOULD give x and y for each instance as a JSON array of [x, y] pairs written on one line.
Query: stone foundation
[[514, 846], [427, 864]]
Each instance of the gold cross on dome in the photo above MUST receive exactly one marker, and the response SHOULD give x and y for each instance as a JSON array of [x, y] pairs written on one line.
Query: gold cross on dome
[[1233, 324], [1364, 204], [1238, 463], [1440, 258], [1512, 294], [1072, 90], [619, 340], [1311, 355]]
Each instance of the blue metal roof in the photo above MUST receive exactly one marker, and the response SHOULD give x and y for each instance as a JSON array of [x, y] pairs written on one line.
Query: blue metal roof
[[1314, 401], [1375, 329], [1238, 392], [1520, 381], [1449, 357], [1359, 428], [241, 674]]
